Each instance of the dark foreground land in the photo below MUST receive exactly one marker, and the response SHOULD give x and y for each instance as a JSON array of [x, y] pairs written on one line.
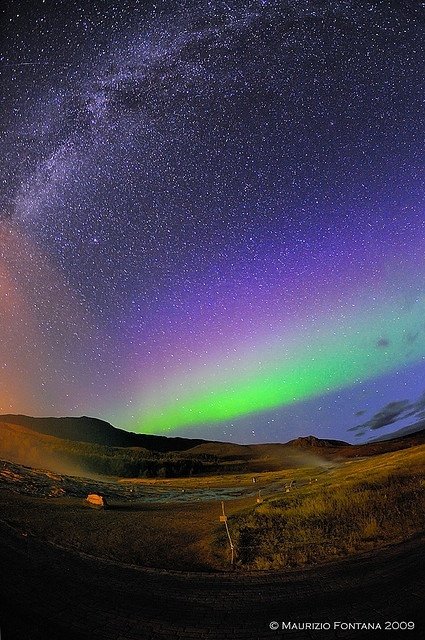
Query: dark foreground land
[[357, 510], [48, 593]]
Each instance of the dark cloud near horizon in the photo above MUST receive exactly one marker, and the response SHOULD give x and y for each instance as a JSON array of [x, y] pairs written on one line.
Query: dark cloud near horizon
[[391, 413], [382, 343]]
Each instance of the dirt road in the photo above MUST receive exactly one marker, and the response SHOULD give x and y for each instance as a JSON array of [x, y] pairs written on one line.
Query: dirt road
[[48, 593]]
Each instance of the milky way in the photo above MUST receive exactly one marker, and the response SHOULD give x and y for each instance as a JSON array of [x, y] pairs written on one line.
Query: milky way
[[212, 214]]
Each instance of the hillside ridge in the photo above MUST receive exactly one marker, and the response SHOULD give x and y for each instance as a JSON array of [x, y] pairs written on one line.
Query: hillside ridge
[[97, 431]]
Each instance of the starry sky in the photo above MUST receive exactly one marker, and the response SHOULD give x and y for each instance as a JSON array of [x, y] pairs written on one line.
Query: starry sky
[[212, 215]]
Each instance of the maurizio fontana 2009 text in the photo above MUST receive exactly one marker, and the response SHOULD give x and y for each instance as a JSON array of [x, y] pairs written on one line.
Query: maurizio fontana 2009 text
[[388, 625]]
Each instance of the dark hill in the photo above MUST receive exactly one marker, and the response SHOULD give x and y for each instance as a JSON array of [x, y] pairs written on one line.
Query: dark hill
[[97, 431], [273, 455], [312, 441]]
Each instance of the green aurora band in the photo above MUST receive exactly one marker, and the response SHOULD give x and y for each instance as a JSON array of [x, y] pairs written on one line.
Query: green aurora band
[[354, 349]]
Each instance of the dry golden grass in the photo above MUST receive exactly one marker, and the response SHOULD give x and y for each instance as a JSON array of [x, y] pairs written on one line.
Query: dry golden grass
[[354, 507]]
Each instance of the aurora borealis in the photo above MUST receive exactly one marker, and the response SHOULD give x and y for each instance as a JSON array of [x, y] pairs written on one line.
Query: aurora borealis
[[212, 214]]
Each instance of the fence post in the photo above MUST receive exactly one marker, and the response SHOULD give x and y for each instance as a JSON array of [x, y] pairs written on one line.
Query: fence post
[[223, 518]]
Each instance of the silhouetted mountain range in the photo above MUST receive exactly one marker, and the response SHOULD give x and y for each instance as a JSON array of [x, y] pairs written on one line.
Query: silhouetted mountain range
[[85, 445], [312, 441], [96, 431]]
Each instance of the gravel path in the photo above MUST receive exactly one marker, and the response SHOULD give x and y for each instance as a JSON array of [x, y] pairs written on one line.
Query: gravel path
[[48, 593]]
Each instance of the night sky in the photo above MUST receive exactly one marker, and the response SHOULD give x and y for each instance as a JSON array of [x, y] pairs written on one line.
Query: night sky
[[212, 215]]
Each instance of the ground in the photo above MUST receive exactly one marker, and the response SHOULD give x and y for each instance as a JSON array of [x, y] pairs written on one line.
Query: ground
[[48, 593], [156, 563]]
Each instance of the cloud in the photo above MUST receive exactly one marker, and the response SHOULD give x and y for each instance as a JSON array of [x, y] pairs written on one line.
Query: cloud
[[382, 343], [390, 413]]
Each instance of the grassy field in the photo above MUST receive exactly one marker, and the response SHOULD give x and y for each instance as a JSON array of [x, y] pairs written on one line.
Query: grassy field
[[333, 511], [151, 535], [358, 506], [168, 535]]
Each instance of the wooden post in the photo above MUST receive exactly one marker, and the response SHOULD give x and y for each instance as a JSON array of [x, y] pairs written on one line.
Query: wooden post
[[223, 518]]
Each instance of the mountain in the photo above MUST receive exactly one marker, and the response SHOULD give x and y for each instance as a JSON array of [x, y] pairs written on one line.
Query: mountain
[[312, 441], [96, 431], [90, 446]]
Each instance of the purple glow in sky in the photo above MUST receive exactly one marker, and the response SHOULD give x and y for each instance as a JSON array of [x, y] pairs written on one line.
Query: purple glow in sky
[[212, 216]]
